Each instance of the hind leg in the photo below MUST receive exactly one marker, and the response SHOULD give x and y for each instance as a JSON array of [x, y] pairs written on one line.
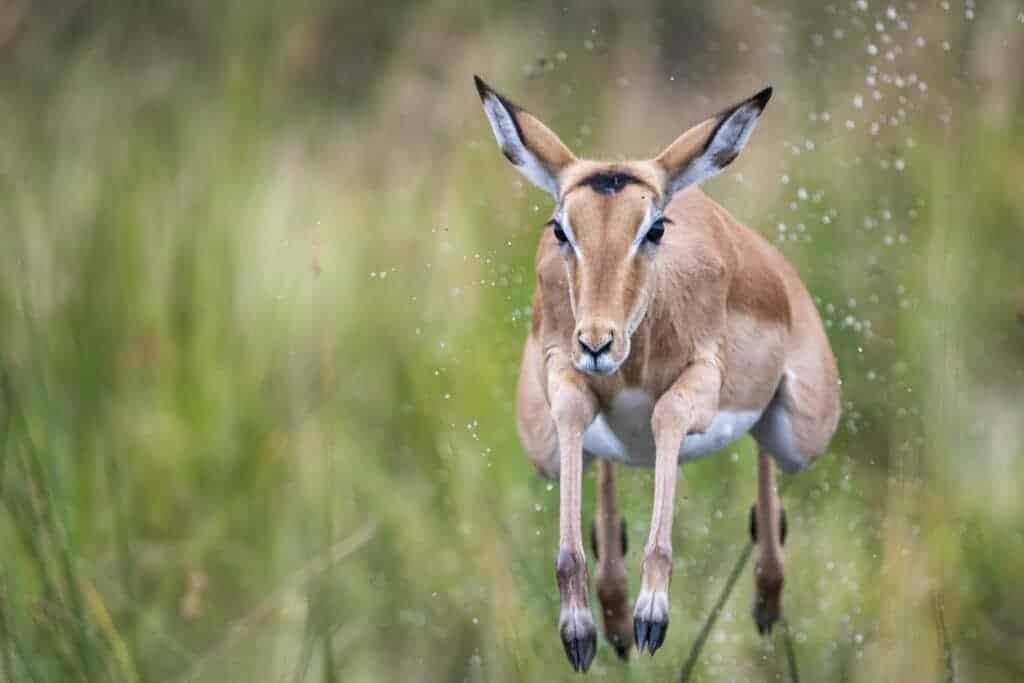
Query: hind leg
[[608, 537], [794, 430], [767, 526]]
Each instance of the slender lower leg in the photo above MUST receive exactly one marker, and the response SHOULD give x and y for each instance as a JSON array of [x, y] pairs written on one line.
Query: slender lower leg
[[651, 615], [768, 563], [572, 412], [690, 403], [609, 538]]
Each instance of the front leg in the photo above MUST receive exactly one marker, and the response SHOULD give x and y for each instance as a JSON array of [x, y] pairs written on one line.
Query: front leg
[[572, 408], [689, 405]]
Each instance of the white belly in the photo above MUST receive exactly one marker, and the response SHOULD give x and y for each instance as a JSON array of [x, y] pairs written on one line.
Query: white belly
[[624, 434]]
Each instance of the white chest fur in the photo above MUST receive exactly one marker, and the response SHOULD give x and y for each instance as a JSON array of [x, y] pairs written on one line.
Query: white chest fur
[[623, 433]]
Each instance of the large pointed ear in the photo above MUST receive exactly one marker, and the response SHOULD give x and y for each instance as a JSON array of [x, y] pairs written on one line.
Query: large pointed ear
[[711, 145], [530, 145]]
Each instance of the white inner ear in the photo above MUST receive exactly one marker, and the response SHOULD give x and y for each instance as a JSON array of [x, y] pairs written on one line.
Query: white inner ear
[[507, 135], [729, 139]]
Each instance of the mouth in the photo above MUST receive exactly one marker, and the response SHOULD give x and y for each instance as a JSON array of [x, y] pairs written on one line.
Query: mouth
[[598, 367]]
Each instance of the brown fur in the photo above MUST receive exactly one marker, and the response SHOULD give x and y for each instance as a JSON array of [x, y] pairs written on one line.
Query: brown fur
[[712, 272], [720, 323]]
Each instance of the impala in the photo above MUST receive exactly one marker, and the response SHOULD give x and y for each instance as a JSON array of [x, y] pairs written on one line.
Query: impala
[[663, 330]]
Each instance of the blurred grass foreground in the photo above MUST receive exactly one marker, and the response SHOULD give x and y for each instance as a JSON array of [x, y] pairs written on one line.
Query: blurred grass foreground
[[264, 281]]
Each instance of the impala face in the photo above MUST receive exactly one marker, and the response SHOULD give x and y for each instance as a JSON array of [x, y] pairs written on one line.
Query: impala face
[[608, 228], [608, 223]]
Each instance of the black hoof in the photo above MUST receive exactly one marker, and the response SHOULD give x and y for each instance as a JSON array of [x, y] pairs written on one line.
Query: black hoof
[[783, 525], [640, 629], [766, 615], [650, 634], [622, 647], [579, 638], [593, 537], [650, 622]]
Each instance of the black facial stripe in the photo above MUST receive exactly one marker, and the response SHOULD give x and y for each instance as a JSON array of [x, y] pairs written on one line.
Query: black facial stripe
[[608, 183]]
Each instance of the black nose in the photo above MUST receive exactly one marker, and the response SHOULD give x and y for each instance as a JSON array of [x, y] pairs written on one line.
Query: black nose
[[599, 348]]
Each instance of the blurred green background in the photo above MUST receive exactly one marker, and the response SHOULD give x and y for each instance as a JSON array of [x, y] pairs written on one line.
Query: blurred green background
[[264, 282]]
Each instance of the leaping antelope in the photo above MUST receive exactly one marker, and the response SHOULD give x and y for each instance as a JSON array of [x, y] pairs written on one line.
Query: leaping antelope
[[663, 329]]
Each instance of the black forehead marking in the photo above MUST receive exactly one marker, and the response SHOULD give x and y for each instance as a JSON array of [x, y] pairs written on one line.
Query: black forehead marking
[[605, 182]]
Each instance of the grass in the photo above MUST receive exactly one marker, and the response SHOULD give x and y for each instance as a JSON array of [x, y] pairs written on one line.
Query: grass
[[262, 299]]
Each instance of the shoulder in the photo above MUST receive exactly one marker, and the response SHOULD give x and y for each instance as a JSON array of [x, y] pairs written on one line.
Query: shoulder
[[755, 270]]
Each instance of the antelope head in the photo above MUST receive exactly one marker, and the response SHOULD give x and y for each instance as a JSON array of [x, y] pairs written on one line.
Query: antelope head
[[609, 220]]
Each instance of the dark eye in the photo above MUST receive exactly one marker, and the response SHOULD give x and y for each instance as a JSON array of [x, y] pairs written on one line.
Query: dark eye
[[559, 233], [656, 231]]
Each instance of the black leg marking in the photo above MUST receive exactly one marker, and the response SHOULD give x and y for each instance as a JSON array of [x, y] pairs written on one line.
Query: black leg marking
[[593, 537], [753, 523], [783, 524]]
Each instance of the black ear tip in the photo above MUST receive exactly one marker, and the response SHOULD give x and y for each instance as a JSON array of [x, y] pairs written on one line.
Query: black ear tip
[[482, 88], [762, 97]]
